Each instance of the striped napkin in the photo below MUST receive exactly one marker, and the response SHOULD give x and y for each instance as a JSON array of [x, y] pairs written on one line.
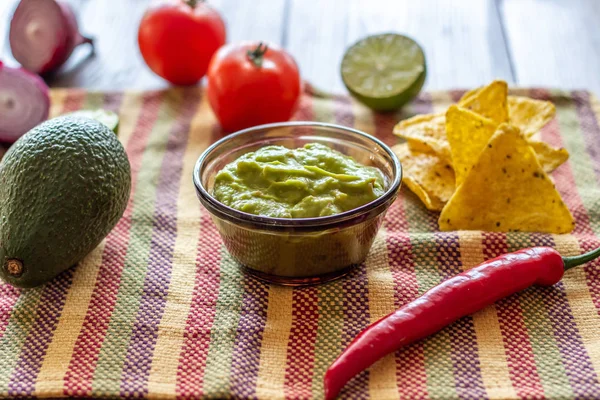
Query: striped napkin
[[160, 309]]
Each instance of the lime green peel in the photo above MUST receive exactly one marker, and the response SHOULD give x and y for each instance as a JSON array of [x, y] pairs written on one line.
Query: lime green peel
[[108, 118], [384, 71]]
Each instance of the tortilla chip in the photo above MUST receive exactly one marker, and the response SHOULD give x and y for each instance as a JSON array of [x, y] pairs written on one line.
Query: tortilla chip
[[425, 133], [430, 201], [428, 176], [468, 133], [468, 94], [529, 115], [489, 101], [549, 157], [507, 190]]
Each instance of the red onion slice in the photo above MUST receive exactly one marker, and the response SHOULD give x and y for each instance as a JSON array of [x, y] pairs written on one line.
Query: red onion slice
[[43, 34], [24, 102]]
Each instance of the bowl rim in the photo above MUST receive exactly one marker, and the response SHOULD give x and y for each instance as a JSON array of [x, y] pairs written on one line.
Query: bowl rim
[[237, 215]]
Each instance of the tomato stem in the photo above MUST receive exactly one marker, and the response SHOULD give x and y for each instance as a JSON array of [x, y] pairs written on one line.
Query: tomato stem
[[256, 55], [193, 3]]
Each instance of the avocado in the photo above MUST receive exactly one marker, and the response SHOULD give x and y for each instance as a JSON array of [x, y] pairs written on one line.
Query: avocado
[[63, 187]]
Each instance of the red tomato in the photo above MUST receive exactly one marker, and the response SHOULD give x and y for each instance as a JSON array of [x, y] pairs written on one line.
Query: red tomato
[[178, 38], [251, 84]]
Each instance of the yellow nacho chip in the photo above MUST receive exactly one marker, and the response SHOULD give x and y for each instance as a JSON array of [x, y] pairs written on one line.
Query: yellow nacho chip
[[507, 190], [430, 201], [425, 133], [529, 115], [489, 101], [429, 177], [468, 94], [550, 158], [467, 133]]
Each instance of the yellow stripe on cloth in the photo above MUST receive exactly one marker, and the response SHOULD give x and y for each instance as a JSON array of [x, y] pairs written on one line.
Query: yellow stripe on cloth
[[492, 359], [578, 294], [57, 99], [595, 106], [273, 353], [129, 112], [382, 375], [163, 374], [60, 349]]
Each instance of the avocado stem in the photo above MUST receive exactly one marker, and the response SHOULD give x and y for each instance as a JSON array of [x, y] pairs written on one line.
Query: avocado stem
[[14, 267]]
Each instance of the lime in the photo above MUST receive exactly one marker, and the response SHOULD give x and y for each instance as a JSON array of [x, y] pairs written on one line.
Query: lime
[[384, 71], [105, 117]]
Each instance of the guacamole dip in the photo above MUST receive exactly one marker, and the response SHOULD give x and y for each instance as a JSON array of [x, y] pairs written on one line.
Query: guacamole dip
[[310, 181]]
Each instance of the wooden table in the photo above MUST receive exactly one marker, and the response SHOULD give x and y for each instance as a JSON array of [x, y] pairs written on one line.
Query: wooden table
[[554, 43]]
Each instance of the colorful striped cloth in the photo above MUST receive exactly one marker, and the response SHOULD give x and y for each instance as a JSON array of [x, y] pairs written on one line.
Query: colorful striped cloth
[[161, 310]]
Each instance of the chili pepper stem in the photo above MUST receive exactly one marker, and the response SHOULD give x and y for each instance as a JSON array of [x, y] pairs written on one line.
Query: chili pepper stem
[[574, 261]]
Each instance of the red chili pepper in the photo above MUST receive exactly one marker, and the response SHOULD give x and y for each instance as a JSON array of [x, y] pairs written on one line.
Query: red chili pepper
[[454, 298]]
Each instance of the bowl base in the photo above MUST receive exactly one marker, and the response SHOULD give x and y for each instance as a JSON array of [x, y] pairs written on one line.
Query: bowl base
[[299, 281]]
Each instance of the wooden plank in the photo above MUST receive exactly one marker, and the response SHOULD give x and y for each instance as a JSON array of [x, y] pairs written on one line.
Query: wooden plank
[[554, 43], [117, 62], [6, 9], [316, 37], [252, 20], [462, 39]]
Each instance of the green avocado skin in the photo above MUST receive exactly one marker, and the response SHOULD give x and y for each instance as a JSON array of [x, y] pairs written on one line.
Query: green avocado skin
[[63, 187]]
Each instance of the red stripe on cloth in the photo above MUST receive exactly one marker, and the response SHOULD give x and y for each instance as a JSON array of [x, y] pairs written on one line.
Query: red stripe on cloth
[[300, 359], [8, 297], [196, 338], [522, 369], [79, 376], [384, 127], [410, 361], [355, 288]]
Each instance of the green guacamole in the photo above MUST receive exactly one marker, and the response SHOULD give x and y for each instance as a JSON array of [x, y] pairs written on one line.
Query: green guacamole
[[310, 181]]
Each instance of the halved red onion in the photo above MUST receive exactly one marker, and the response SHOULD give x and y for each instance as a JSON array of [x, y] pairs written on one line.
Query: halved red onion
[[24, 102], [43, 34]]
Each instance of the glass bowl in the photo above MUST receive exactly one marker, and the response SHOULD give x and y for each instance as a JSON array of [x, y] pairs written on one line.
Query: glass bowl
[[298, 251]]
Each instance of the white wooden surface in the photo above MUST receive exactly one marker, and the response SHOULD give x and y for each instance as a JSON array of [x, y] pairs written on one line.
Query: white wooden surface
[[553, 43]]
